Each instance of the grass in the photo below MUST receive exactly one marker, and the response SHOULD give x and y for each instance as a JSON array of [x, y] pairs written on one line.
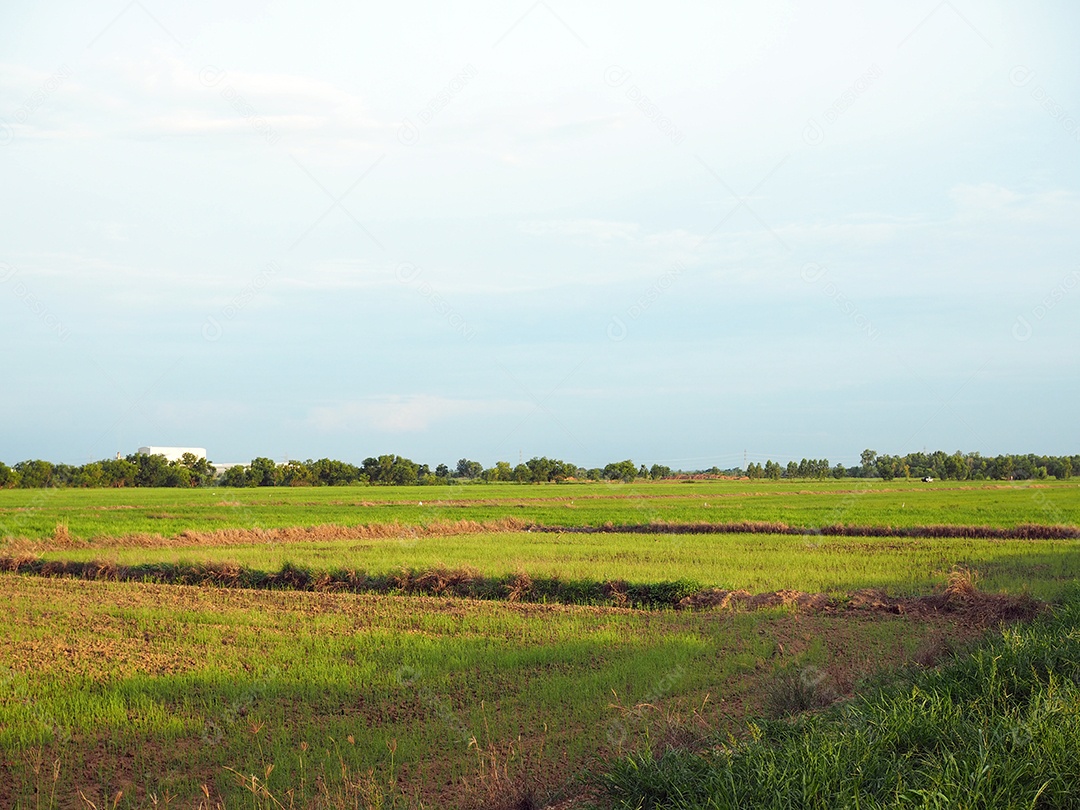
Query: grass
[[995, 728], [137, 693], [87, 514], [151, 690], [752, 562]]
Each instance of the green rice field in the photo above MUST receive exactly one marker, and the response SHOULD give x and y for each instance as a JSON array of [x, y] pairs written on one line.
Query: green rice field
[[132, 694]]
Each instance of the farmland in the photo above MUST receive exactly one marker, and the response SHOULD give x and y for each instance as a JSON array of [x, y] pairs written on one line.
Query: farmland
[[98, 513], [239, 696]]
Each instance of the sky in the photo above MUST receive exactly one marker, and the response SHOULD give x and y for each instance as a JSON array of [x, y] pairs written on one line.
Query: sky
[[687, 233]]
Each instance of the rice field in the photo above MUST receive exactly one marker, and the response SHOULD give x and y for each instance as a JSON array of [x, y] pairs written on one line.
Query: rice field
[[38, 515], [130, 694], [753, 562], [156, 690]]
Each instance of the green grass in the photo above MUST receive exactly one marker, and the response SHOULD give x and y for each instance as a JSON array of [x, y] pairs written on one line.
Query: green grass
[[998, 728], [157, 689], [755, 562], [86, 514]]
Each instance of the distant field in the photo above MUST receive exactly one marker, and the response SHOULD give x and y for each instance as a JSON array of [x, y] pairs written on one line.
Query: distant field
[[86, 514]]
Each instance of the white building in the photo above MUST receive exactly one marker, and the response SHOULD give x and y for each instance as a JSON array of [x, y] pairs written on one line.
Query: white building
[[172, 453]]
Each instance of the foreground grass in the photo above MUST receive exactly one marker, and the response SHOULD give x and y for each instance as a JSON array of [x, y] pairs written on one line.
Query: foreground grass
[[997, 728], [86, 514], [157, 691], [584, 562]]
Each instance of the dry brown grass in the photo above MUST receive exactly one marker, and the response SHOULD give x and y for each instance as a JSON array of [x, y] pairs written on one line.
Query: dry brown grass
[[520, 586], [326, 532]]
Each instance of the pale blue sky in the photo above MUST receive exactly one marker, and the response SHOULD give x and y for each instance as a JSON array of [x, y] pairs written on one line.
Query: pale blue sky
[[586, 230]]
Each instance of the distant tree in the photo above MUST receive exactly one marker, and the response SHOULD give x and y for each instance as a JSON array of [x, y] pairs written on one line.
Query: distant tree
[[754, 470], [34, 474], [502, 471], [469, 469], [235, 477], [177, 475], [331, 473], [403, 472], [561, 470], [150, 471], [297, 474], [89, 475], [522, 474], [658, 471], [63, 475], [8, 477], [202, 473], [119, 472], [442, 471], [263, 472], [772, 470], [391, 470], [890, 467], [620, 471], [839, 471], [540, 469]]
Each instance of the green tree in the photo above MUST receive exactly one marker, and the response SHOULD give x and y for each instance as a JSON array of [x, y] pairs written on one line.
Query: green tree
[[502, 471], [34, 474], [263, 472], [235, 477], [621, 471], [119, 472], [177, 475], [202, 473], [89, 475], [150, 471], [297, 474], [772, 470], [469, 469], [540, 469], [9, 478]]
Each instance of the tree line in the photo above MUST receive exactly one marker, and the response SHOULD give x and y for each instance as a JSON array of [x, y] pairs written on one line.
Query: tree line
[[138, 470], [938, 464]]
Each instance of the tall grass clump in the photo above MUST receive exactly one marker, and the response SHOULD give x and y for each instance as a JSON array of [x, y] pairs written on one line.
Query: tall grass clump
[[997, 727]]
